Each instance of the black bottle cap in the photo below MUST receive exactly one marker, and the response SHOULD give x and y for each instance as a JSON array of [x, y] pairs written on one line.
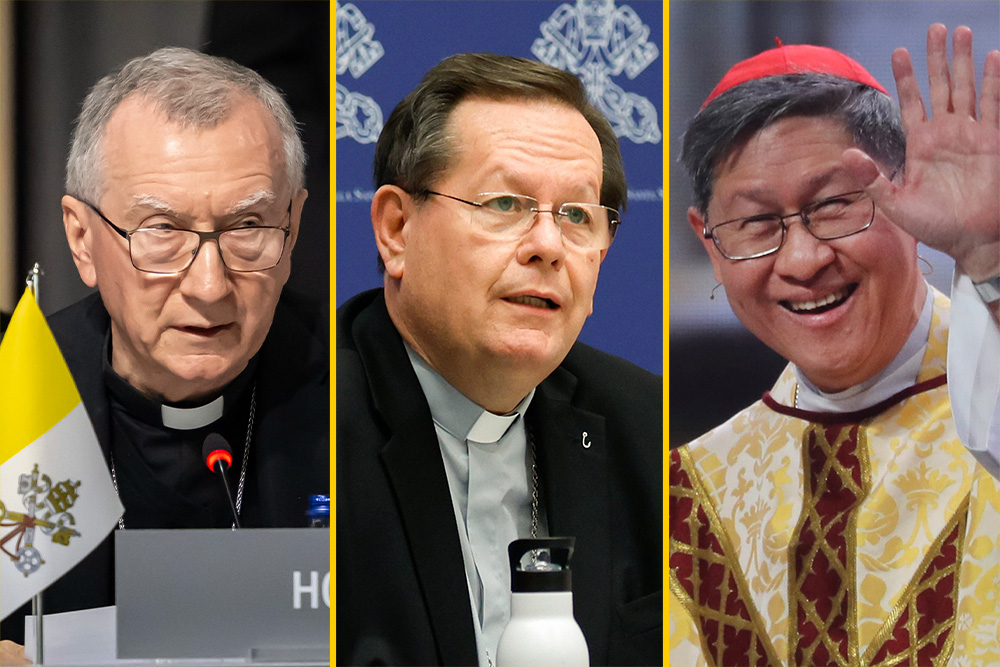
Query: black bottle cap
[[550, 574]]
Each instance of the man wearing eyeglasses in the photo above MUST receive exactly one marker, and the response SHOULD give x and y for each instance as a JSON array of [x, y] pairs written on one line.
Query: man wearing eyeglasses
[[840, 520], [184, 192], [468, 415]]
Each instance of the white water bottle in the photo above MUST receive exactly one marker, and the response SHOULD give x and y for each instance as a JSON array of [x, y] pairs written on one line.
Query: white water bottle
[[541, 631]]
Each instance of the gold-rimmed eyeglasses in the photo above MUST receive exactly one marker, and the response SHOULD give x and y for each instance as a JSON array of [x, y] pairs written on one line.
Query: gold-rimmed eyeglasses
[[506, 215]]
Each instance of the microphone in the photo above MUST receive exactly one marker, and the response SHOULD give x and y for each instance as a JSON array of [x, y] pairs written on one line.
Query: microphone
[[218, 457]]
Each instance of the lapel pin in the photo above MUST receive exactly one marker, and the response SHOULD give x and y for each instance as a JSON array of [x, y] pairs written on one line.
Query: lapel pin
[[586, 444]]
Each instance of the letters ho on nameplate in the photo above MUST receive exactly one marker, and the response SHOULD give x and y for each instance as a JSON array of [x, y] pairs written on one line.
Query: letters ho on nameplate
[[224, 593]]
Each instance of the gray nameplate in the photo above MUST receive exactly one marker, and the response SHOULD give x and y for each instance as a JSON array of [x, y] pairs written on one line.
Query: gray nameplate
[[260, 593]]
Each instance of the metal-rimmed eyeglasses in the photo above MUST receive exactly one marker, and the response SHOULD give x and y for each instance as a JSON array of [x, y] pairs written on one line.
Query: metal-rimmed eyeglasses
[[759, 235], [510, 216], [167, 250]]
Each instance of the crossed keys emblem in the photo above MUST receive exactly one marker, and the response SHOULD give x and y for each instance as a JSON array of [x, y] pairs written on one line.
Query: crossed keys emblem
[[38, 495]]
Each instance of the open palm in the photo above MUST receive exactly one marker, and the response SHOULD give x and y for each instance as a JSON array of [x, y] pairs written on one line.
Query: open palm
[[949, 193]]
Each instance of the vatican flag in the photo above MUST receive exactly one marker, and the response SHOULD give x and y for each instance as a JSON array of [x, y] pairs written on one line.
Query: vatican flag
[[57, 501]]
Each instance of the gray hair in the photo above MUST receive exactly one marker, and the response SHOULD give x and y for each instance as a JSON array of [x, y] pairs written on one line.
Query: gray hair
[[732, 118], [414, 147], [191, 89]]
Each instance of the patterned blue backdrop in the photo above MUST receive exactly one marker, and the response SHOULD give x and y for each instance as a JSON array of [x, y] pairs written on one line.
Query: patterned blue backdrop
[[384, 48]]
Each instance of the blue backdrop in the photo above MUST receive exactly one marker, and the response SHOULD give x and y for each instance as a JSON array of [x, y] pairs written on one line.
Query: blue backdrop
[[384, 48]]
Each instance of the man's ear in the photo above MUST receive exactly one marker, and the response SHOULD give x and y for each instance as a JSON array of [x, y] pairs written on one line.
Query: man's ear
[[76, 221], [697, 222], [391, 208], [298, 200]]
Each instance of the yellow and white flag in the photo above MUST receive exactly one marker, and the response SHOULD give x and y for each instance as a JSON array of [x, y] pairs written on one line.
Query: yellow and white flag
[[57, 502]]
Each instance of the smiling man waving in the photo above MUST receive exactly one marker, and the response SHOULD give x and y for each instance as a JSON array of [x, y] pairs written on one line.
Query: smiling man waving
[[469, 414], [849, 517]]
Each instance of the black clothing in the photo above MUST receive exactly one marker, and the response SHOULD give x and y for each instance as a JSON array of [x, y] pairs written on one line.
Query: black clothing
[[402, 596], [160, 471], [289, 453]]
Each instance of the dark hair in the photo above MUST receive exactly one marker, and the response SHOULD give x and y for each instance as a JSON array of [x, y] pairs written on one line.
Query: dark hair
[[732, 118], [415, 148]]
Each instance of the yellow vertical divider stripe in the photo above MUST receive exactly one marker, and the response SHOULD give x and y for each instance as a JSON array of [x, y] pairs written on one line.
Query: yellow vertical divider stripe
[[666, 325], [36, 388]]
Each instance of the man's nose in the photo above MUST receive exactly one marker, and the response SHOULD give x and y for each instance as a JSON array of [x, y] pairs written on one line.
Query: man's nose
[[802, 255], [544, 240], [206, 279]]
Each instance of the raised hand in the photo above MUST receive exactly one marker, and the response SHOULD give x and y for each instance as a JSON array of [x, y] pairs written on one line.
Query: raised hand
[[949, 193]]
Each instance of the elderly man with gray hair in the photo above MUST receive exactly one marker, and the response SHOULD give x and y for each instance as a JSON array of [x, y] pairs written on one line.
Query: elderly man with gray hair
[[184, 194]]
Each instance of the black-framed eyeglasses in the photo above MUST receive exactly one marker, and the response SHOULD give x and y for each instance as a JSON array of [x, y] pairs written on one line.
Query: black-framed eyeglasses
[[760, 235], [506, 215], [167, 250]]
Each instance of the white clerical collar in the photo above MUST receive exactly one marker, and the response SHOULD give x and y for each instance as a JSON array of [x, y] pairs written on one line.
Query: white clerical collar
[[188, 419], [181, 417], [490, 427], [901, 373], [455, 412]]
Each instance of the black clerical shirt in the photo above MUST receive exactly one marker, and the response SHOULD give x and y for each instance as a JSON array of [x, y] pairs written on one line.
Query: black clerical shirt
[[160, 475], [289, 451]]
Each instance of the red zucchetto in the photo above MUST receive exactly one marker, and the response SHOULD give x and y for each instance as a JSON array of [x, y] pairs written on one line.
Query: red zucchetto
[[794, 59]]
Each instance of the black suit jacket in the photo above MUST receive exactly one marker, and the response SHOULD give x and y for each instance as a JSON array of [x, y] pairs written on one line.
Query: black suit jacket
[[402, 596], [290, 455]]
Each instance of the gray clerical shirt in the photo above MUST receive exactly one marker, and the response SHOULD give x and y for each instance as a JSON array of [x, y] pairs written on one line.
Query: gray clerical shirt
[[488, 464]]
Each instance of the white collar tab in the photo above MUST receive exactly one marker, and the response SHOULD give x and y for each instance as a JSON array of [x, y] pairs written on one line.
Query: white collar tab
[[188, 419], [490, 427]]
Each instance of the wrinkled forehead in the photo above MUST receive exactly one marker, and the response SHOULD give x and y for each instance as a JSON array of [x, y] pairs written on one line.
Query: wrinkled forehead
[[140, 128]]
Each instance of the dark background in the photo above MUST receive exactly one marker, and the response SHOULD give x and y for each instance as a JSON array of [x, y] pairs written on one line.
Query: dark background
[[62, 48]]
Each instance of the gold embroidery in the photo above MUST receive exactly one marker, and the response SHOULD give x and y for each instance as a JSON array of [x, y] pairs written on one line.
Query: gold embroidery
[[908, 602], [713, 648], [846, 570], [765, 447], [922, 486], [937, 339]]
